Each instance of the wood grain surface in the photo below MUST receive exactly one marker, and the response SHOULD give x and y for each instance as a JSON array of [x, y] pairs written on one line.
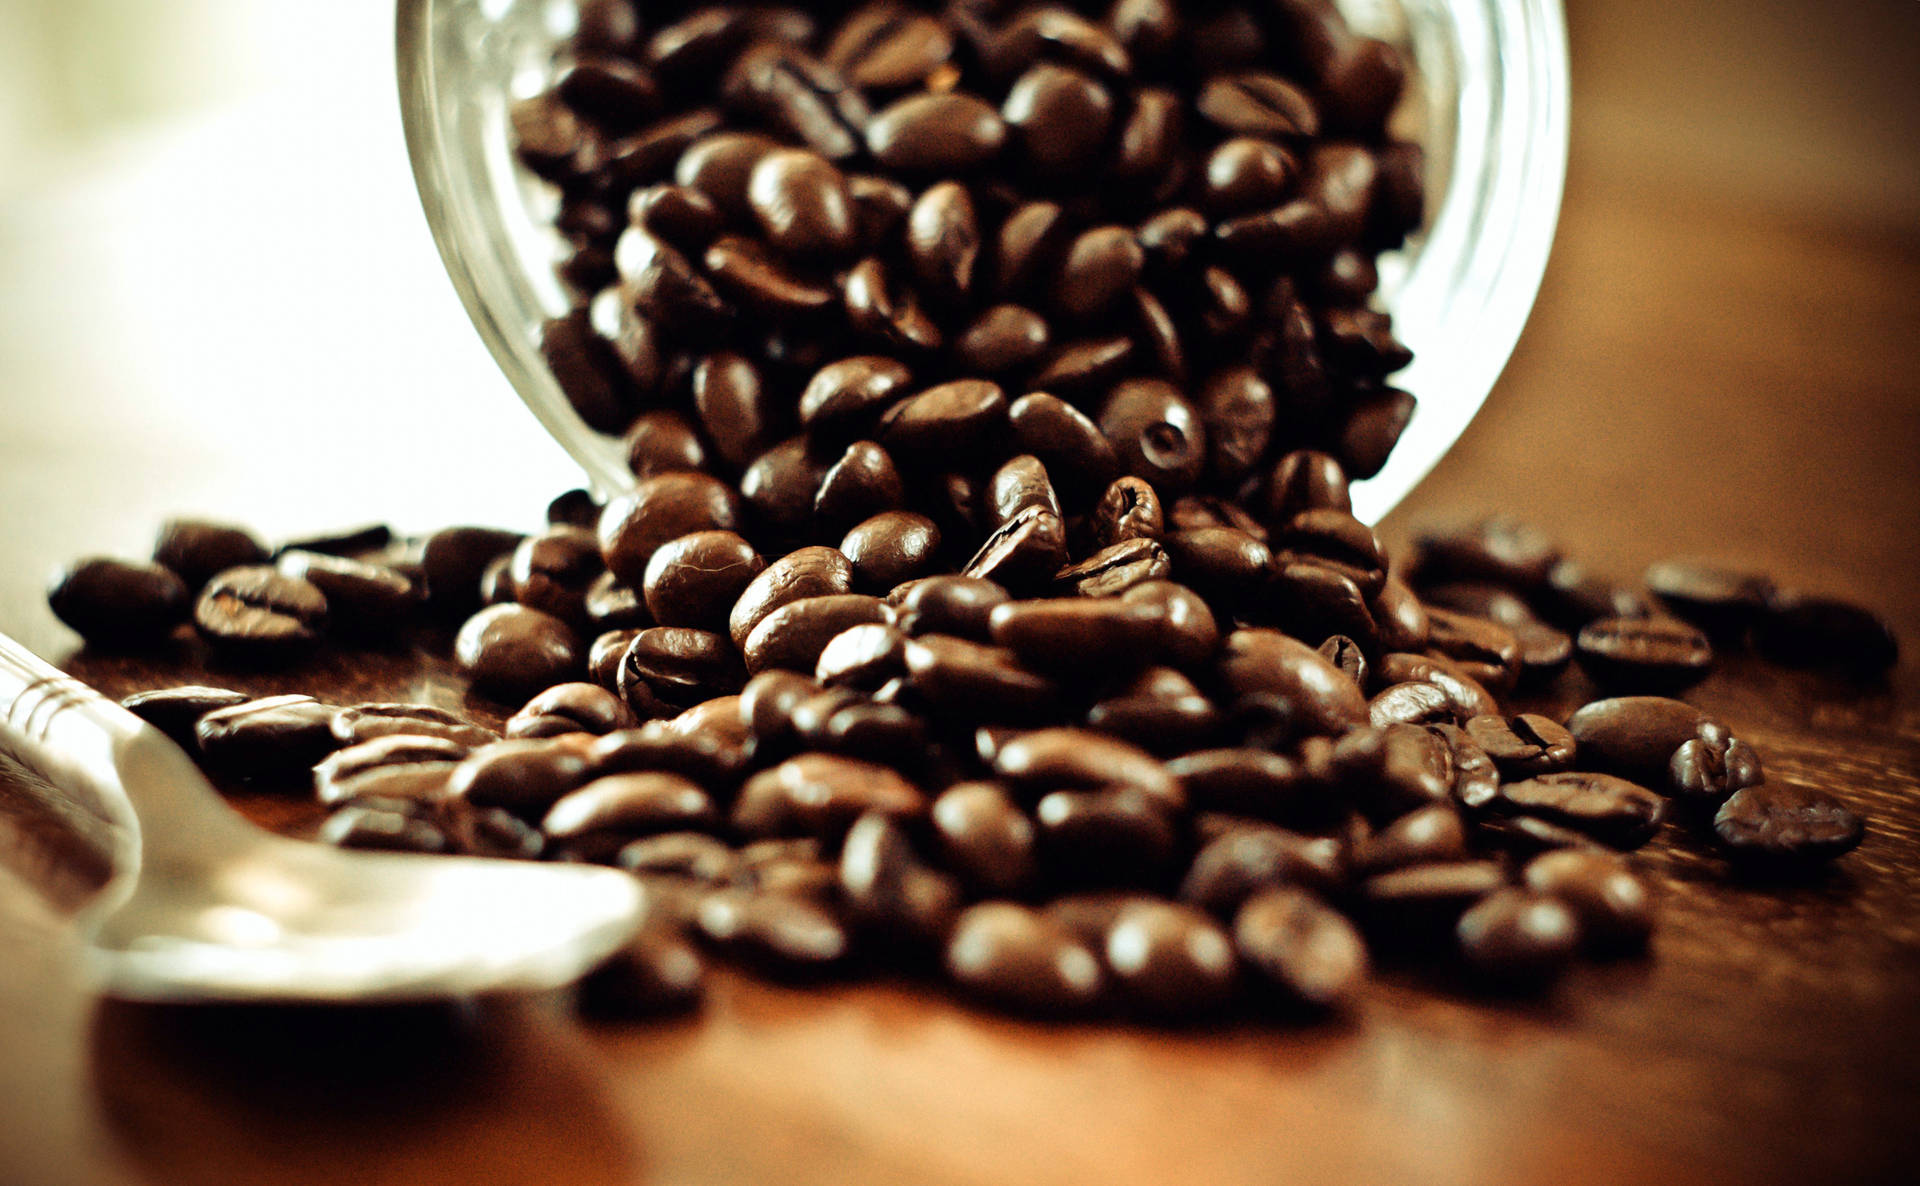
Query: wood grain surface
[[1711, 370]]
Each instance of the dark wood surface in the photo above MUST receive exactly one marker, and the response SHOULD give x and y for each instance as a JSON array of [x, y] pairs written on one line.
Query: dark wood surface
[[1707, 373]]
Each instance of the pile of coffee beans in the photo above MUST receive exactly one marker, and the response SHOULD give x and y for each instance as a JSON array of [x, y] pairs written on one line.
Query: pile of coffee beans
[[988, 602]]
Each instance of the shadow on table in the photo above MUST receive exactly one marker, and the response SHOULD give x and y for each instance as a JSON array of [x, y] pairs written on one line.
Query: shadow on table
[[495, 1091]]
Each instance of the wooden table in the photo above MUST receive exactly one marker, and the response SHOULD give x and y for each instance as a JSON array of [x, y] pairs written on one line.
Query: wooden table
[[1707, 373]]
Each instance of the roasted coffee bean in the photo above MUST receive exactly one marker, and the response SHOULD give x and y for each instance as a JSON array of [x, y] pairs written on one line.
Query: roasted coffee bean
[[1114, 570], [1826, 632], [985, 838], [1291, 941], [366, 722], [677, 214], [1322, 699], [1020, 483], [589, 707], [1523, 745], [943, 243], [1419, 905], [1129, 509], [1485, 650], [1171, 960], [1060, 757], [1157, 434], [1426, 835], [1305, 480], [365, 827], [604, 655], [883, 47], [1612, 905], [656, 972], [275, 739], [1517, 939], [1161, 709], [1019, 959], [1252, 104], [552, 571], [1410, 703], [793, 635], [681, 666], [1644, 654], [522, 777], [891, 547], [1249, 782], [661, 509], [1072, 633], [667, 289], [1498, 550], [880, 306], [1476, 780], [1389, 771], [492, 832], [1526, 836], [778, 84], [260, 615], [399, 767], [851, 392], [1056, 34], [776, 933], [1336, 540], [198, 550], [1086, 365], [864, 482], [956, 605], [662, 441], [1024, 553], [757, 280], [511, 652], [599, 818], [1111, 837], [1003, 340], [1779, 827], [1720, 601], [1402, 621], [1610, 809], [887, 888], [695, 580], [766, 706], [809, 572], [694, 856], [863, 657], [1314, 602], [1194, 511], [175, 711], [820, 795], [1572, 597], [1707, 770], [359, 595], [716, 758], [1468, 697], [955, 417], [936, 134], [1249, 859], [733, 404], [1635, 736], [802, 203], [1101, 266], [119, 603]]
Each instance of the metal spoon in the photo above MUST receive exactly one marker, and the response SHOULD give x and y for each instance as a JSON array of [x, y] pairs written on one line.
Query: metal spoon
[[203, 906]]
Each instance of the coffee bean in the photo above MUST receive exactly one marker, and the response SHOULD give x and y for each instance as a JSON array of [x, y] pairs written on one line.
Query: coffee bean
[[820, 795], [1498, 550], [1171, 960], [880, 306], [778, 84], [777, 933], [1114, 570], [661, 509], [863, 658], [599, 818], [399, 767], [1418, 906], [977, 682], [1019, 959], [656, 972], [1517, 939], [1305, 480], [1389, 771], [1156, 432], [936, 134], [888, 889], [588, 707], [1323, 700], [1003, 340], [1314, 602], [1290, 941], [1024, 553], [1468, 697], [1644, 654], [694, 856], [1573, 596], [1610, 809], [809, 572], [1426, 835], [985, 838], [510, 651], [1249, 782], [1781, 827], [1803, 631], [365, 827], [850, 392], [955, 417], [1720, 601], [793, 635], [1070, 633], [1485, 650], [1115, 837], [1161, 708], [1476, 780], [1249, 860], [802, 203], [175, 711], [119, 603], [198, 550], [956, 605], [359, 595], [1049, 758], [523, 777], [260, 615], [666, 288], [1253, 104], [277, 739], [696, 579], [1611, 904], [1523, 745], [1636, 736], [881, 47], [1411, 703], [366, 722], [680, 666], [1707, 770], [1129, 509]]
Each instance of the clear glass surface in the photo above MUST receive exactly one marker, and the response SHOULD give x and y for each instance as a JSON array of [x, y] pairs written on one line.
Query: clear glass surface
[[1488, 102]]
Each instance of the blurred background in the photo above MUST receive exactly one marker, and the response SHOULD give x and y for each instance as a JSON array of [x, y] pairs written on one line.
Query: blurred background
[[208, 232]]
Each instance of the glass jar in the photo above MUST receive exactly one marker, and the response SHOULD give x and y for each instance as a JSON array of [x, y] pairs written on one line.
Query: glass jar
[[1487, 101]]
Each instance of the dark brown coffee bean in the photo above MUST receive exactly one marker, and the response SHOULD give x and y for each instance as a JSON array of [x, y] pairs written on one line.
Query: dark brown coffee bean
[[1411, 703], [884, 47], [1147, 150], [400, 768], [1707, 770], [1101, 266], [359, 595], [1720, 601], [175, 711], [793, 635], [365, 722], [1389, 771], [1636, 736], [610, 605], [1251, 858], [1018, 484], [381, 830], [1323, 700], [695, 580], [664, 287], [1237, 407], [656, 972], [1476, 780], [1611, 904], [522, 777], [881, 307], [955, 417], [681, 666], [1781, 827], [694, 856], [1644, 654], [776, 933], [1112, 837], [1418, 907], [975, 682], [1402, 620], [1517, 939], [1024, 553], [604, 656], [759, 281], [601, 817], [820, 795], [732, 403], [682, 216], [1253, 104], [985, 838], [1086, 365], [1005, 339], [1189, 634], [862, 658], [956, 605], [198, 550], [1523, 745], [511, 652], [936, 134], [775, 82], [260, 614], [802, 203], [1130, 509], [850, 393], [1249, 782], [1072, 633], [1347, 655], [660, 509], [1468, 697], [1156, 433], [662, 441], [864, 482], [888, 889], [1170, 960], [1314, 602], [1297, 944], [1113, 570], [716, 758], [1161, 708], [589, 707], [552, 571], [119, 603], [1498, 550], [892, 547], [1573, 596], [1019, 959], [809, 572], [1825, 632], [1303, 481], [1426, 835], [720, 166], [1246, 173], [1062, 757], [1610, 809], [277, 739]]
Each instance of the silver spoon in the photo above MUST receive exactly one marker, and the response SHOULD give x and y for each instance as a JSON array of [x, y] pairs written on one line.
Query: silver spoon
[[203, 906]]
